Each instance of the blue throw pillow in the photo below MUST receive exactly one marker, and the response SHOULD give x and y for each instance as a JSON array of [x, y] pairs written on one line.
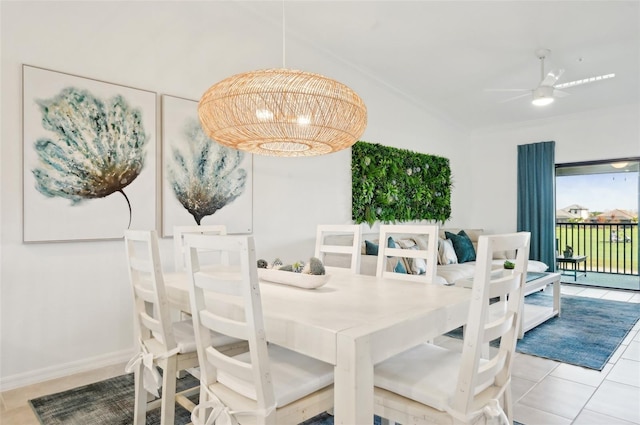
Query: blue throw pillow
[[462, 245], [399, 268], [370, 248]]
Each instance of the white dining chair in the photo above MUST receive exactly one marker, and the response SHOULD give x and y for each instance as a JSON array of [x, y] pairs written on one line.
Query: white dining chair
[[162, 342], [178, 240], [431, 384], [266, 385], [417, 257], [347, 252]]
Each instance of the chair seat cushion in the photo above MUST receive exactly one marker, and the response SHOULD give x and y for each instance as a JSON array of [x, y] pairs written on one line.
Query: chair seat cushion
[[293, 375], [427, 374]]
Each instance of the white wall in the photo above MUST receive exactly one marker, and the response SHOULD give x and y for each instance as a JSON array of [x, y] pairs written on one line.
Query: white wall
[[66, 307], [599, 134]]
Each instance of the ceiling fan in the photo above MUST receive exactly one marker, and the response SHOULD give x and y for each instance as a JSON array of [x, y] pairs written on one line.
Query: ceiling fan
[[547, 89]]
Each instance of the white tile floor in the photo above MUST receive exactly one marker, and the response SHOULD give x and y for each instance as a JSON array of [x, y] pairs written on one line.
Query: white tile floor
[[545, 392], [558, 393]]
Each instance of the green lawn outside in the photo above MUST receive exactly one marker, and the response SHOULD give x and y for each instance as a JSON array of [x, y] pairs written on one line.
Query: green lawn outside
[[594, 241]]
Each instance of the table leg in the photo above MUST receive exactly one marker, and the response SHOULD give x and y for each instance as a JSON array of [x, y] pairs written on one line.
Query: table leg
[[353, 381], [556, 295]]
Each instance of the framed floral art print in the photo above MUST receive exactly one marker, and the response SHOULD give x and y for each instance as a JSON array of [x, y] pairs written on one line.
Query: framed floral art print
[[89, 157], [203, 182]]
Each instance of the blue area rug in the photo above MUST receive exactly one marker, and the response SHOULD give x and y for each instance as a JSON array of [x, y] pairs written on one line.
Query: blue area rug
[[587, 333], [110, 402]]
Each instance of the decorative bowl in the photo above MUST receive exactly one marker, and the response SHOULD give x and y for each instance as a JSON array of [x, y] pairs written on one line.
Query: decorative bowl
[[300, 280]]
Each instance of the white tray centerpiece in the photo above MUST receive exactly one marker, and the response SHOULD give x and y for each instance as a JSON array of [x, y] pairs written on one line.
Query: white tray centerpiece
[[303, 275]]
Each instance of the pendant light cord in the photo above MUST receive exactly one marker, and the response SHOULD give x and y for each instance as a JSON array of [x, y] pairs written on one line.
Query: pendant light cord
[[283, 37]]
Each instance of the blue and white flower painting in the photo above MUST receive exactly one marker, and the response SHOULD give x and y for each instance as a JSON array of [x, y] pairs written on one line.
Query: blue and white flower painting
[[204, 176], [97, 147], [89, 157], [204, 182]]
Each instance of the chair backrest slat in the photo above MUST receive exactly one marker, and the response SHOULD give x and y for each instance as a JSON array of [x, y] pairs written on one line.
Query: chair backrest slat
[[487, 371], [150, 323], [230, 285], [497, 328], [230, 365], [224, 325], [146, 293], [141, 265], [503, 285]]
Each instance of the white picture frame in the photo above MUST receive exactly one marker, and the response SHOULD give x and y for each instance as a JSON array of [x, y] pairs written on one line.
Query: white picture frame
[[181, 132], [49, 213]]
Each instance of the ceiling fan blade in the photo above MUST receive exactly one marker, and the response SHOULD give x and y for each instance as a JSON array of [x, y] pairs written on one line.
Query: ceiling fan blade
[[584, 81], [520, 96], [510, 90], [552, 77]]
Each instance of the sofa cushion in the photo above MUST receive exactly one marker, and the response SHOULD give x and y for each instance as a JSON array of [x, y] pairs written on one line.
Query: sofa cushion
[[463, 246], [371, 248], [446, 253], [399, 266], [393, 263], [453, 272], [413, 265]]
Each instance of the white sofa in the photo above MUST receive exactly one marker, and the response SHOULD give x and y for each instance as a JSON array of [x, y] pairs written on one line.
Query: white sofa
[[445, 274]]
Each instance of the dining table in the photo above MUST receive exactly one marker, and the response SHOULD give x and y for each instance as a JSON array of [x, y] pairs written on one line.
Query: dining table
[[353, 322]]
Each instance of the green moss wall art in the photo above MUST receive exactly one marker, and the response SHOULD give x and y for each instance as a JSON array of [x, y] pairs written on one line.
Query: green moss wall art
[[396, 185]]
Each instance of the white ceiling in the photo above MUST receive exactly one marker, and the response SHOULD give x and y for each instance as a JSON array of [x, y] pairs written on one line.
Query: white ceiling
[[442, 55]]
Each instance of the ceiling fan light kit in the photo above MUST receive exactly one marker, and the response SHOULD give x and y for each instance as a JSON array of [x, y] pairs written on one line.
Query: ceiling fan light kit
[[542, 96]]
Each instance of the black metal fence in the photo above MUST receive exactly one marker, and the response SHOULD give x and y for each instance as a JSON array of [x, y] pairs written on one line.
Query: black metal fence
[[609, 247]]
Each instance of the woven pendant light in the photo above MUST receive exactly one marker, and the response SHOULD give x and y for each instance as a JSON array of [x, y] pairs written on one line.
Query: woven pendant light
[[282, 112]]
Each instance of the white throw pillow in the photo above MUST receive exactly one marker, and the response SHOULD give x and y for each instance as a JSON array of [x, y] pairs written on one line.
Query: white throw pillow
[[412, 265], [446, 253]]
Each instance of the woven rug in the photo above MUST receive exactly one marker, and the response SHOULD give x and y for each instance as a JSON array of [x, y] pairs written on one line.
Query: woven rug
[[587, 333], [110, 402], [105, 402]]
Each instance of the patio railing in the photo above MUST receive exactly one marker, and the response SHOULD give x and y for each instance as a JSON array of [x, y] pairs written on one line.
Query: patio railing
[[609, 247]]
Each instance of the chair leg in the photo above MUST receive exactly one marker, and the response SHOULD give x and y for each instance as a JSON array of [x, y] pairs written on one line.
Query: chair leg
[[168, 405], [140, 402], [508, 403], [203, 398]]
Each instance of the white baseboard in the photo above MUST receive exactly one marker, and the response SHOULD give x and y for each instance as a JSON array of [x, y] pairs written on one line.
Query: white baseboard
[[63, 370]]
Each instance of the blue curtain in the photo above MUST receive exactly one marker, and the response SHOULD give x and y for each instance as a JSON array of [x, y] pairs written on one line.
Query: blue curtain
[[536, 199]]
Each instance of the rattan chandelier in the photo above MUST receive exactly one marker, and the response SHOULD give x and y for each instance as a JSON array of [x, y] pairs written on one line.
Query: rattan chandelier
[[282, 112]]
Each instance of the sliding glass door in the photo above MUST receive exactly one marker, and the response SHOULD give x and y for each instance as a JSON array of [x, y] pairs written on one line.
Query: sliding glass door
[[597, 218]]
